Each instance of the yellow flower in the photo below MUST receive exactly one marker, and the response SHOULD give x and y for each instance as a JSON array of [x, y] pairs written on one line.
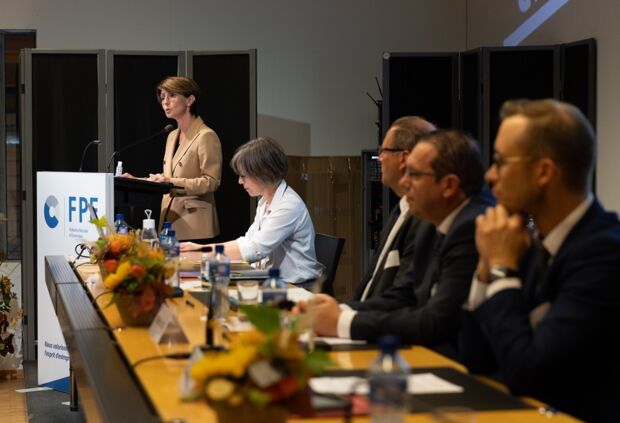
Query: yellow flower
[[231, 363], [114, 279], [219, 389]]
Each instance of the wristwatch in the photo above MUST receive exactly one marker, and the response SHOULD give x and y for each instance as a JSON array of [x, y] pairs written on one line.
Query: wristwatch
[[498, 271]]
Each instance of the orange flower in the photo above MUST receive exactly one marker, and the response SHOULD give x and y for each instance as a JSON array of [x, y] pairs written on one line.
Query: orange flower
[[110, 265], [116, 247], [138, 271]]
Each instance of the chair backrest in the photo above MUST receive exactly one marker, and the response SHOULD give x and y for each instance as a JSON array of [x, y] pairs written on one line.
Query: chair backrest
[[328, 250]]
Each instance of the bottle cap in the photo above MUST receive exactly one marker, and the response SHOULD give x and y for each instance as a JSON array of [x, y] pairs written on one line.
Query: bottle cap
[[219, 248], [388, 344], [148, 223], [167, 224], [119, 216], [274, 273]]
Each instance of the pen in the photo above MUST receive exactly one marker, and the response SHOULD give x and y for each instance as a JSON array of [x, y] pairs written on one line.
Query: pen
[[189, 303]]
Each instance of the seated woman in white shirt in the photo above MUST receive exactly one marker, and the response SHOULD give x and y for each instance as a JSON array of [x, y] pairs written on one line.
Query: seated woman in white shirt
[[282, 235]]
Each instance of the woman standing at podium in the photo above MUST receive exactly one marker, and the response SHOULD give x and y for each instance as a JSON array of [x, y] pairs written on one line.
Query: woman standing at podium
[[192, 163], [282, 235]]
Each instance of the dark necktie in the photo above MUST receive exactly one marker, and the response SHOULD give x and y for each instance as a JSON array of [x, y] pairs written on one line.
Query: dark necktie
[[431, 277], [541, 265]]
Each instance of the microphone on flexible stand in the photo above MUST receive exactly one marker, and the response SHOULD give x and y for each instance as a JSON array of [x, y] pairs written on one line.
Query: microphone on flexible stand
[[165, 130], [93, 142]]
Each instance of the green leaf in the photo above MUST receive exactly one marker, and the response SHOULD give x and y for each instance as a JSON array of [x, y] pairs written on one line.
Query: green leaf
[[266, 319], [258, 397], [100, 223], [317, 361]]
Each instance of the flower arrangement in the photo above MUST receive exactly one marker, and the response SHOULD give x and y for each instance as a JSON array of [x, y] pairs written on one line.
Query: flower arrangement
[[263, 367], [10, 324], [132, 270]]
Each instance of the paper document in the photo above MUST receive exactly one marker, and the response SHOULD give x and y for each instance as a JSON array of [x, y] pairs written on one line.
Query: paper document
[[298, 294], [423, 383], [249, 274], [331, 340], [189, 284], [429, 383]]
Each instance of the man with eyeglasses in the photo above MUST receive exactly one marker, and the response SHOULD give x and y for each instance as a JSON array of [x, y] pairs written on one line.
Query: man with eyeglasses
[[546, 308], [396, 243], [443, 183]]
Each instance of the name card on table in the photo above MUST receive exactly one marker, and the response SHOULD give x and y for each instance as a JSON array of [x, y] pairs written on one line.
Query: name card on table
[[166, 327]]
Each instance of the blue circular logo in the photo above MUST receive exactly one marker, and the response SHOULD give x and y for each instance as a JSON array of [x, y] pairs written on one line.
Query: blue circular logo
[[49, 211]]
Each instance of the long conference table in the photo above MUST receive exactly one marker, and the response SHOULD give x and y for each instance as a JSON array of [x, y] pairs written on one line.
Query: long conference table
[[110, 389]]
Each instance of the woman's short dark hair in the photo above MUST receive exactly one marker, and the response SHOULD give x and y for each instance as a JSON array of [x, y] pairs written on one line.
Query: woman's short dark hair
[[262, 159], [183, 86]]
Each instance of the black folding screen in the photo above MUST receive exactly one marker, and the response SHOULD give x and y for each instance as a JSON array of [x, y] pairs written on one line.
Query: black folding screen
[[516, 72], [421, 84], [578, 75], [228, 85], [470, 79], [65, 115]]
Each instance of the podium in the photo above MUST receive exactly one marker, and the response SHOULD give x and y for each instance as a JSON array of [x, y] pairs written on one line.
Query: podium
[[132, 196]]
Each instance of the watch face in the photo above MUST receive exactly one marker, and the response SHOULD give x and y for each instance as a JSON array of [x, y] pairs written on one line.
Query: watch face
[[500, 272]]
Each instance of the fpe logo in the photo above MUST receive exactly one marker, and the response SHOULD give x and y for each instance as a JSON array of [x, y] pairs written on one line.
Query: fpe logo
[[49, 211], [79, 205]]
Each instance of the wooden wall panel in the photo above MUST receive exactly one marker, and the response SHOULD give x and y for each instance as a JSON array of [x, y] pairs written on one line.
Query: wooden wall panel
[[331, 189]]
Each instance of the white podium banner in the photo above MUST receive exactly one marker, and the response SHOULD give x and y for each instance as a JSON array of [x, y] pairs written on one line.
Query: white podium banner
[[62, 218]]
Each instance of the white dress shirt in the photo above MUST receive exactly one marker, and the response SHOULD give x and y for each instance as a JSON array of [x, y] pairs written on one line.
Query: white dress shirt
[[480, 292], [404, 212], [282, 236]]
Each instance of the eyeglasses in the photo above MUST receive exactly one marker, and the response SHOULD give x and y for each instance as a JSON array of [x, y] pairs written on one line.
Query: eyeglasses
[[388, 149], [499, 161]]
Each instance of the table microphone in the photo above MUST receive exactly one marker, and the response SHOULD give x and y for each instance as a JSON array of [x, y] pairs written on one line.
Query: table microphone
[[165, 130], [93, 142]]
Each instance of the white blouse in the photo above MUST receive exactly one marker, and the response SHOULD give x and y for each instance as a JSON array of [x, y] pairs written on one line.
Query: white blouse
[[283, 237]]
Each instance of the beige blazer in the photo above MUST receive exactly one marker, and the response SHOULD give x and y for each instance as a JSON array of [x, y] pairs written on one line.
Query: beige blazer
[[196, 169]]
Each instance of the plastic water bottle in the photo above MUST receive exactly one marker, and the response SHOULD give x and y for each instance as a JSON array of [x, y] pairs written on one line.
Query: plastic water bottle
[[274, 288], [219, 276], [387, 377], [148, 234], [205, 258], [163, 234], [120, 226], [172, 250]]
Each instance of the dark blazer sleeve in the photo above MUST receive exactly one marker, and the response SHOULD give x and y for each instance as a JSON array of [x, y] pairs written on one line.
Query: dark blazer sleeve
[[428, 321]]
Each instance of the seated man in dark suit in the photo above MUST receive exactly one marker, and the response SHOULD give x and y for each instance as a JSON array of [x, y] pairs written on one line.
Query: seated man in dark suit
[[443, 183], [547, 307], [395, 248]]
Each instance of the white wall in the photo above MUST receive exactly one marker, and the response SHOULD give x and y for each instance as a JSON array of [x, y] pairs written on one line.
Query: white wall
[[316, 59], [490, 21]]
